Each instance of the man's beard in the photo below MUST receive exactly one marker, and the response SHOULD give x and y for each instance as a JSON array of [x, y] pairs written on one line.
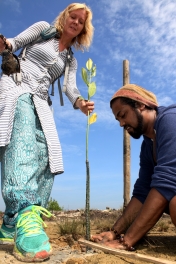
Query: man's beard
[[138, 131]]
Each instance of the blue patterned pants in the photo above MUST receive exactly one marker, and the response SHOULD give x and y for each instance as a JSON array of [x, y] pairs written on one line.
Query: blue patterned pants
[[25, 174]]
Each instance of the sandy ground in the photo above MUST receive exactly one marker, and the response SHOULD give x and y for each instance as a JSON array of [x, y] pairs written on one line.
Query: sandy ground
[[157, 244]]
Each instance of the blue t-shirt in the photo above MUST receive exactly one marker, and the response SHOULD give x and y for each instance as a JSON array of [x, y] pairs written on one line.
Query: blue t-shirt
[[161, 176]]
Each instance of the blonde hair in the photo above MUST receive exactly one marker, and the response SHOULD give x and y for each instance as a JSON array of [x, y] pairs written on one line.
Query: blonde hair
[[84, 39]]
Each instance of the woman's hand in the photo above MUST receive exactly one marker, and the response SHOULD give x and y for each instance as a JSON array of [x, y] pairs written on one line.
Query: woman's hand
[[85, 106], [4, 43]]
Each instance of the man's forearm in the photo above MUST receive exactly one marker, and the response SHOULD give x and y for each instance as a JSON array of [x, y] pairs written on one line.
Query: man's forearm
[[128, 216], [149, 214]]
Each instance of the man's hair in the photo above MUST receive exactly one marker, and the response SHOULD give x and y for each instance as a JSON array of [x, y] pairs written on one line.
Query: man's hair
[[84, 39]]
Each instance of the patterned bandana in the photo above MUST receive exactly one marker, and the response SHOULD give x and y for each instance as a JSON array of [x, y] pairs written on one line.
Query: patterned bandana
[[136, 93]]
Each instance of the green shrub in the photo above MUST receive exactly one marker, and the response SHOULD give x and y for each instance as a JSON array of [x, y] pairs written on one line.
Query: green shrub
[[53, 205]]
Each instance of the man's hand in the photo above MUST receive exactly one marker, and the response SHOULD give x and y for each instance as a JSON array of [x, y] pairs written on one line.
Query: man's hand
[[108, 239], [103, 237], [123, 222], [113, 244], [85, 106]]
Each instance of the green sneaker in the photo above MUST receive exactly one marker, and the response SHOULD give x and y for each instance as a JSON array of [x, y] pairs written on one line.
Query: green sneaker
[[31, 242], [7, 235]]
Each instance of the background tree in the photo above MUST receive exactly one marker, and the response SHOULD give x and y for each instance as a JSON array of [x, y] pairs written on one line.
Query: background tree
[[53, 206]]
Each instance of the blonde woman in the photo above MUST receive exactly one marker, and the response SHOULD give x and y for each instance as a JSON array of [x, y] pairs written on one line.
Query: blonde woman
[[29, 146]]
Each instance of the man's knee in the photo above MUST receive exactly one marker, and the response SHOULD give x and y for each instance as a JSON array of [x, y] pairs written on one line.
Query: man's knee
[[172, 209]]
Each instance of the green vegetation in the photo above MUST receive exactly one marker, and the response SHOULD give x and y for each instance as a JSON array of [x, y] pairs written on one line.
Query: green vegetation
[[53, 206]]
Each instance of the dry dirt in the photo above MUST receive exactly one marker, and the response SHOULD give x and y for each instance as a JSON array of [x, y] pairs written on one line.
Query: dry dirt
[[158, 243]]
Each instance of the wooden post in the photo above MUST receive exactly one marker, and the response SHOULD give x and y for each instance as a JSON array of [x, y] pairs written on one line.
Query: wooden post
[[126, 145]]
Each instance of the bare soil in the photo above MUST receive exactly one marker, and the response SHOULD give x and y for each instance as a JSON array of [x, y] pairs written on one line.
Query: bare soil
[[160, 242]]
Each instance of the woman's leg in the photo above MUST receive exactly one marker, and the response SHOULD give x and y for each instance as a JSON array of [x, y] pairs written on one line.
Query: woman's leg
[[24, 162], [44, 176]]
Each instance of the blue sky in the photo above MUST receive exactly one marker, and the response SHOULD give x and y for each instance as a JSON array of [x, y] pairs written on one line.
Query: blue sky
[[143, 32]]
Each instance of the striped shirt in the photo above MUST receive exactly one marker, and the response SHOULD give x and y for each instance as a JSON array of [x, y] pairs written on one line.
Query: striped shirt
[[42, 65]]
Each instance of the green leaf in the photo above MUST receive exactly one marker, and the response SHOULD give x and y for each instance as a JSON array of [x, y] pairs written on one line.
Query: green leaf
[[91, 89], [84, 75], [89, 64], [93, 71]]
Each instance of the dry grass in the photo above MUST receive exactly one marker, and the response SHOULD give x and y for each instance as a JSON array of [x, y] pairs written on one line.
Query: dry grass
[[102, 224], [75, 228], [162, 225], [101, 221]]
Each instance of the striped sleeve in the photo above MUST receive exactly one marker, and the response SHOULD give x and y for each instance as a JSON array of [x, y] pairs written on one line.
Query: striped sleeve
[[28, 35]]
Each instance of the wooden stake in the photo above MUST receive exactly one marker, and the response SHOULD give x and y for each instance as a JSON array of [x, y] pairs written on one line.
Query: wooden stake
[[126, 145], [124, 253]]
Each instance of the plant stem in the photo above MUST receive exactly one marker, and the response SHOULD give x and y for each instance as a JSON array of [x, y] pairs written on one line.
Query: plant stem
[[87, 201], [87, 137], [87, 176]]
